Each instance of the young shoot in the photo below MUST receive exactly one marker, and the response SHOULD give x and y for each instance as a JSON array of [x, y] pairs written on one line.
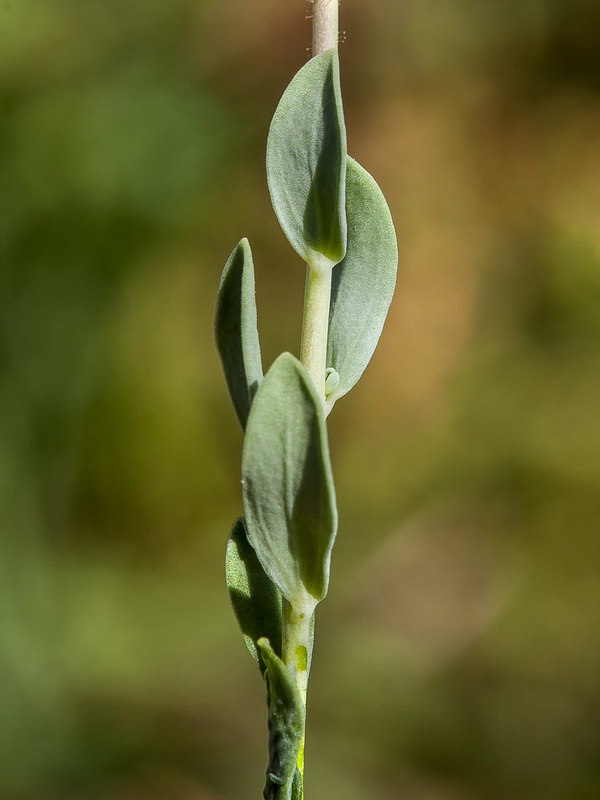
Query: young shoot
[[278, 557]]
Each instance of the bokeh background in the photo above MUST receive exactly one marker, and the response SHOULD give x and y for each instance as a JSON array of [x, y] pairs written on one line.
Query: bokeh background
[[458, 653]]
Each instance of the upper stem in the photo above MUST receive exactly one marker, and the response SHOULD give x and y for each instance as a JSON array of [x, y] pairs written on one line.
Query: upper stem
[[325, 25], [315, 325], [313, 354], [317, 297]]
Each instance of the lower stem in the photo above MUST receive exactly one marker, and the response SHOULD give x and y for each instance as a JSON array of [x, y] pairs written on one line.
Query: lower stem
[[296, 656], [315, 324]]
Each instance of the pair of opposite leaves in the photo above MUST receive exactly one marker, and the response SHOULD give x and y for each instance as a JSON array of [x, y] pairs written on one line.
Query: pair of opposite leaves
[[336, 218]]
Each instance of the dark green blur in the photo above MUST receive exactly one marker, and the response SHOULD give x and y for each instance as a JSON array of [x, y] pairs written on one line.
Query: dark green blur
[[458, 651]]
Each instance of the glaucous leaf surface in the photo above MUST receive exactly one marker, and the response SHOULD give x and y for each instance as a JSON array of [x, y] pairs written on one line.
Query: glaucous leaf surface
[[236, 331], [306, 162], [363, 284], [289, 497], [286, 727], [255, 599]]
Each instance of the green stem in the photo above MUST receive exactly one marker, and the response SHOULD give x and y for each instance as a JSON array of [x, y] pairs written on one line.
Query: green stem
[[317, 297], [315, 324], [313, 354], [296, 656]]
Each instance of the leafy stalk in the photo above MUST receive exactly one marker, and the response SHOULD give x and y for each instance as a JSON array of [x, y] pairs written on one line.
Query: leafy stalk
[[278, 555], [313, 354]]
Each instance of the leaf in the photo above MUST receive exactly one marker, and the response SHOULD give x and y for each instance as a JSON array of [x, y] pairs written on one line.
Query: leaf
[[255, 599], [363, 284], [297, 787], [306, 162], [286, 727], [289, 497], [236, 332]]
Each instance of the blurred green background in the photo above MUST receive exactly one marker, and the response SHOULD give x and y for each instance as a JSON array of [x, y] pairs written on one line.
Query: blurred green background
[[458, 652]]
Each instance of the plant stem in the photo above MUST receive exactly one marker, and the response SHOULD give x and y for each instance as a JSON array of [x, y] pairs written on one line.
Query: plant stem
[[315, 324], [296, 644], [313, 354], [325, 25], [296, 656], [317, 295]]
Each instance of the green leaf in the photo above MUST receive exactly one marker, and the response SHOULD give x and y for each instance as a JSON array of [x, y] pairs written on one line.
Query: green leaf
[[297, 786], [363, 284], [255, 599], [286, 727], [236, 333], [306, 162], [289, 497]]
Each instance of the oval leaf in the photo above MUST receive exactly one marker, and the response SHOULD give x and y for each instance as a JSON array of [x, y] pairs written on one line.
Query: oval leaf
[[236, 332], [306, 162], [289, 497], [255, 599], [286, 728], [363, 284]]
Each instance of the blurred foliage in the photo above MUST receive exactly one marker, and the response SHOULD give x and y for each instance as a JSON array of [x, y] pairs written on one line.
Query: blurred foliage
[[458, 652]]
